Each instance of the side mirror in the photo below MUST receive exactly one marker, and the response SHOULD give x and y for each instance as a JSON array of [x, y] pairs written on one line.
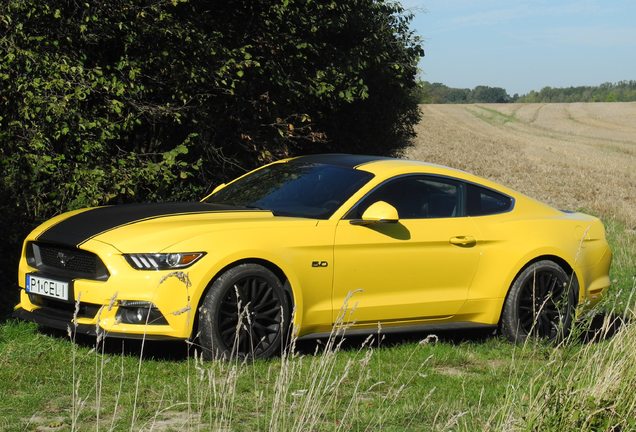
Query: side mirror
[[218, 188], [378, 212]]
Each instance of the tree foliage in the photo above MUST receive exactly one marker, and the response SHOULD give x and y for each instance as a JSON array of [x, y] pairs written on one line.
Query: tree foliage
[[117, 101], [439, 93]]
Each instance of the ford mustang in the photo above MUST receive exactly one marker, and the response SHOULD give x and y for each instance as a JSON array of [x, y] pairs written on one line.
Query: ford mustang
[[281, 249]]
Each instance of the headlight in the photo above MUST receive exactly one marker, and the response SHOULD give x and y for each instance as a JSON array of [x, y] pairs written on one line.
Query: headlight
[[162, 261]]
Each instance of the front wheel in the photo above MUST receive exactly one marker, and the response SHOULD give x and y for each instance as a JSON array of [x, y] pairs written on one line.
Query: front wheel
[[244, 314], [541, 303]]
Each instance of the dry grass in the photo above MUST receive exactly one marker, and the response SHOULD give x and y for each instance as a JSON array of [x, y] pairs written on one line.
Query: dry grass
[[570, 155]]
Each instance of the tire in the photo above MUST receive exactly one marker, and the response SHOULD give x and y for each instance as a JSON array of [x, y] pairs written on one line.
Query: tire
[[260, 312], [541, 303]]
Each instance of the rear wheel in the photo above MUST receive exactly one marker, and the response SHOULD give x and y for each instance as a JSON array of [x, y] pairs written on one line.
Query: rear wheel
[[244, 314], [541, 303]]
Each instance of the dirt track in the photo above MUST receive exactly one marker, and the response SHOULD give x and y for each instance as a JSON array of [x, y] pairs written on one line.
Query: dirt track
[[574, 156]]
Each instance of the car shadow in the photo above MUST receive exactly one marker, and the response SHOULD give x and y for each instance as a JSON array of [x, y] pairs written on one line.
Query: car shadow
[[182, 350], [155, 350], [599, 327], [311, 346], [393, 230]]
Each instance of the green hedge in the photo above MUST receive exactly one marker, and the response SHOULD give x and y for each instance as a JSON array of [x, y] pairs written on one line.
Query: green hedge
[[116, 101]]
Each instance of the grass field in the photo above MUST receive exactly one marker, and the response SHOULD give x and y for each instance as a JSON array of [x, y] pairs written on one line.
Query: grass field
[[572, 155]]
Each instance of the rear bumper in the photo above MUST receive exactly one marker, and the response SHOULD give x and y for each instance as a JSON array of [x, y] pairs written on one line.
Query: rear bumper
[[45, 317], [597, 276]]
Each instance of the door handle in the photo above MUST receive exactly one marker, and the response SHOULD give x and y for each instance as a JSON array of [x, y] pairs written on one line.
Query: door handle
[[464, 241]]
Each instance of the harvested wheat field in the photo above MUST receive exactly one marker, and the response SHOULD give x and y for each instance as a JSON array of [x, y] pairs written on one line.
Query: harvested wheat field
[[573, 155]]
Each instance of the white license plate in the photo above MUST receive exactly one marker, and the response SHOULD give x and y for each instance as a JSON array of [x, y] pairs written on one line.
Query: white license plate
[[47, 287]]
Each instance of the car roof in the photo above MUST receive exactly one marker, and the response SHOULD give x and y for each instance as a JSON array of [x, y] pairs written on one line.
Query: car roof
[[343, 160], [371, 162], [387, 167]]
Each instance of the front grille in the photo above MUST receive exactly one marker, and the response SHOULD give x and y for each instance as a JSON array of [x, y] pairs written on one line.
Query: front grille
[[66, 261]]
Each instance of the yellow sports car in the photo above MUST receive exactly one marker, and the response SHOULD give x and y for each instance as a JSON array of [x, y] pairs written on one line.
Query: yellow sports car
[[412, 244]]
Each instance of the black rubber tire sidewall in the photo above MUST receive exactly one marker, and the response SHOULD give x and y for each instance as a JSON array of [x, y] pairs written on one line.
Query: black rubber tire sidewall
[[210, 340], [510, 324]]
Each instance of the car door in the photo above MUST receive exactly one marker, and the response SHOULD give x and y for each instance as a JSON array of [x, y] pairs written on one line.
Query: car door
[[417, 269]]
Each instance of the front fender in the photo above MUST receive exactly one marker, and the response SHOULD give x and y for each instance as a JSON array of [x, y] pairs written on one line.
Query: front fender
[[221, 264]]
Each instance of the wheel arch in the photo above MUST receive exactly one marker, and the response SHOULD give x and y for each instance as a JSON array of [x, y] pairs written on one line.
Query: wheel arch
[[554, 258], [293, 296], [560, 261]]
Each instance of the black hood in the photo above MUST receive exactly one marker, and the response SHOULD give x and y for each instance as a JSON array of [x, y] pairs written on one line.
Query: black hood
[[81, 227]]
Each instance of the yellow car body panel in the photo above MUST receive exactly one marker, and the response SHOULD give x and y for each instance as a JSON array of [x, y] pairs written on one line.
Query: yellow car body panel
[[417, 271], [431, 288]]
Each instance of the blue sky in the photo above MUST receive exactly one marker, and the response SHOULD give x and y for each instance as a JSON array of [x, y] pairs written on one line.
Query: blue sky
[[526, 45]]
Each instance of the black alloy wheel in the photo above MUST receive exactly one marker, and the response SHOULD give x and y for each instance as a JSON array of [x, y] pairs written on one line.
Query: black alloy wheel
[[541, 303], [244, 314]]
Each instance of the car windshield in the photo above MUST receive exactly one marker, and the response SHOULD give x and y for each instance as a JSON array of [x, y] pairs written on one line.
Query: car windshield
[[295, 188]]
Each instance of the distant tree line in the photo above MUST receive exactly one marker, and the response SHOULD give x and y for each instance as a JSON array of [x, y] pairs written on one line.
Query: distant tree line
[[437, 93], [622, 91]]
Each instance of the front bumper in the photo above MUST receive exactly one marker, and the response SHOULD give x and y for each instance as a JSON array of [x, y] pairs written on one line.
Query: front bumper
[[59, 320], [98, 301]]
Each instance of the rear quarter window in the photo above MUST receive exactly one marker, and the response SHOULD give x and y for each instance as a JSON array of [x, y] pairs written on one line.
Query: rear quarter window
[[481, 201]]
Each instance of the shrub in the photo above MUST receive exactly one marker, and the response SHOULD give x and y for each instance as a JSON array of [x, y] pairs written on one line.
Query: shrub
[[117, 101]]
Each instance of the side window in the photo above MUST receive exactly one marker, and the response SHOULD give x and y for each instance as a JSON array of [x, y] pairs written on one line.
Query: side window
[[482, 201], [416, 197]]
